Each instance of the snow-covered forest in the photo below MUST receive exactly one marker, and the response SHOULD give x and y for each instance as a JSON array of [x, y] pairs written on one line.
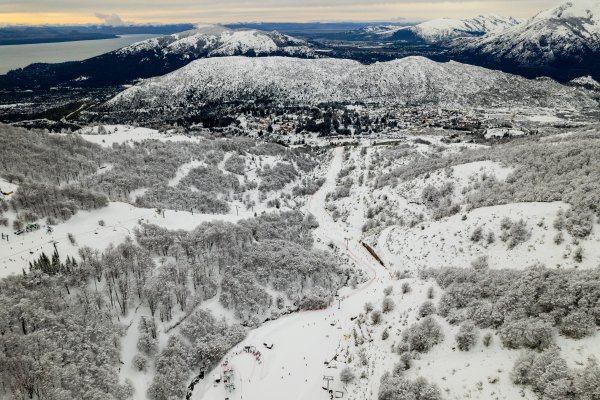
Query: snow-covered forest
[[339, 217]]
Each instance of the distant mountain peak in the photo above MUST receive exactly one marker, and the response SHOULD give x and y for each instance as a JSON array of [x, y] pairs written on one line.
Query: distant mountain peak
[[441, 29], [564, 37]]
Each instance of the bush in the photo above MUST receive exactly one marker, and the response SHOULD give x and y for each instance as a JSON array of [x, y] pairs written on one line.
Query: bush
[[140, 362], [369, 307], [385, 334], [405, 287], [578, 324], [480, 263], [387, 305], [17, 224], [376, 317], [532, 333], [405, 360], [514, 233], [71, 238], [347, 376], [559, 238], [477, 234], [388, 290], [466, 336], [422, 336], [430, 293], [426, 309], [399, 388], [578, 254], [579, 223]]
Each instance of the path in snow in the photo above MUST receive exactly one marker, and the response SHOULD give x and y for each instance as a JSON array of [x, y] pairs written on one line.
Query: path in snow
[[303, 341]]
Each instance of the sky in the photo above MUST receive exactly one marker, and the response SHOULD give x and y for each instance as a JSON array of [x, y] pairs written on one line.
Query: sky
[[116, 12]]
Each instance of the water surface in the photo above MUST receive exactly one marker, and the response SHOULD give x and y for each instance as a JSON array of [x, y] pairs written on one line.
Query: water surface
[[18, 56]]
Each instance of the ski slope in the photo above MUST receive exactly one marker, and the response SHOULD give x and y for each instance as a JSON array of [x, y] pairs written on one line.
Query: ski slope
[[302, 342]]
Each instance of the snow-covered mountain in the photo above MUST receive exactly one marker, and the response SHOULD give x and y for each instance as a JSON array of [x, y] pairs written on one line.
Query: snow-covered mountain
[[567, 36], [213, 41], [411, 80], [443, 29], [155, 57]]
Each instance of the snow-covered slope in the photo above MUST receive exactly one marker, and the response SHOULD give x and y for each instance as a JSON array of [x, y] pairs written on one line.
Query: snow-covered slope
[[442, 29], [567, 36], [220, 41], [411, 80]]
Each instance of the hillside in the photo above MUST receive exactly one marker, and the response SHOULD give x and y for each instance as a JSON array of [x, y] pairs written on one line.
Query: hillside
[[411, 80]]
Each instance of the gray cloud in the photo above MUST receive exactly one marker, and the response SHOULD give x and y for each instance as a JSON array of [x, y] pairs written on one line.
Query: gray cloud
[[110, 11], [110, 19]]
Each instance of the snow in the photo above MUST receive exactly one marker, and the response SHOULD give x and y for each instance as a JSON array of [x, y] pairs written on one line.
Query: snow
[[184, 170], [309, 81], [442, 29], [127, 134], [447, 243], [545, 118], [446, 28], [302, 341], [215, 40], [120, 221], [570, 30]]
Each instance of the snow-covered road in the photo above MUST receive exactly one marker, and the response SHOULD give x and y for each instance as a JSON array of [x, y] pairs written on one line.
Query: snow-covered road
[[294, 368]]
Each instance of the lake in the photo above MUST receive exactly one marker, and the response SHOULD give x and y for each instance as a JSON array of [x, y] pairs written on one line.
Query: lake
[[18, 56]]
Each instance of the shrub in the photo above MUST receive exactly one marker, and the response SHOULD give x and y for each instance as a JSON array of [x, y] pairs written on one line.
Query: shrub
[[369, 307], [426, 309], [399, 388], [17, 224], [577, 324], [405, 287], [477, 234], [579, 224], [140, 362], [430, 292], [559, 238], [385, 334], [71, 238], [387, 305], [347, 376], [480, 263], [578, 254], [466, 336], [423, 335], [405, 360], [532, 333], [388, 290], [376, 317]]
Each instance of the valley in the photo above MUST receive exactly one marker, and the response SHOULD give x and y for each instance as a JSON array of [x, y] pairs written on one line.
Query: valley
[[361, 211]]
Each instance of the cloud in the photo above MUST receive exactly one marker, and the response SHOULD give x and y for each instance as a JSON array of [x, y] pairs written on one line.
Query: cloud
[[110, 19]]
